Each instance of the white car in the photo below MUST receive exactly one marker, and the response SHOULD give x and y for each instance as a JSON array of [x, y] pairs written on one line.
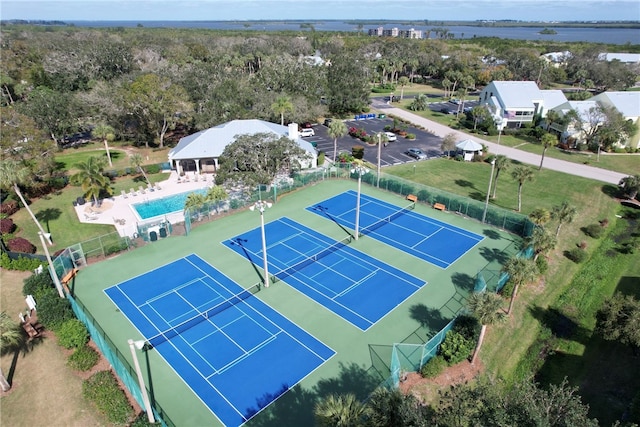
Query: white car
[[307, 132], [391, 136]]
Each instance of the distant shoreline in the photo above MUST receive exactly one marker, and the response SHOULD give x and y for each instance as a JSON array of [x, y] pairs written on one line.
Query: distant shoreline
[[377, 22]]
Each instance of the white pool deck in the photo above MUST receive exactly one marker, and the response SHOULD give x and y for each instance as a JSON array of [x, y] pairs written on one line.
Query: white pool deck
[[117, 210]]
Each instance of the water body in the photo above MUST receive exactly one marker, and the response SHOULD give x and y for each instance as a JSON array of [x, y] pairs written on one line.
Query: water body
[[564, 34]]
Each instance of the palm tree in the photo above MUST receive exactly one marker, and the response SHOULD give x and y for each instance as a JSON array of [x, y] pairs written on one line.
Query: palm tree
[[521, 174], [11, 339], [631, 185], [194, 201], [502, 163], [282, 105], [216, 194], [563, 213], [485, 306], [552, 117], [540, 216], [136, 161], [542, 241], [12, 174], [91, 178], [547, 140], [339, 411], [402, 81], [105, 132], [337, 129], [384, 408], [520, 271]]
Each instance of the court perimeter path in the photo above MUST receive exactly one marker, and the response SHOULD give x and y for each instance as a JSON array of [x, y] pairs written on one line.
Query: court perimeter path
[[440, 130]]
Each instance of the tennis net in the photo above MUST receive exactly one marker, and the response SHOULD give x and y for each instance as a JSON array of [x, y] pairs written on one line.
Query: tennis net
[[201, 317], [386, 220], [288, 271]]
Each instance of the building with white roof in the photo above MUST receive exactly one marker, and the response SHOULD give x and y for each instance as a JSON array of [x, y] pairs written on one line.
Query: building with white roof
[[200, 151]]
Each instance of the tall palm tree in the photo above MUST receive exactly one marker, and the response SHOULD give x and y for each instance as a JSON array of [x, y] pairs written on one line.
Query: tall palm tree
[[564, 213], [502, 163], [136, 161], [547, 140], [282, 105], [105, 132], [339, 411], [402, 81], [11, 339], [540, 216], [521, 174], [485, 306], [520, 271], [91, 178], [631, 185], [216, 194], [337, 129], [542, 241], [12, 174]]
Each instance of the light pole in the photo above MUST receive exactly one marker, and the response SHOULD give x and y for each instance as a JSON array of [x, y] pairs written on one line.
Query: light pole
[[486, 203], [261, 206], [360, 170], [379, 153], [133, 345], [52, 271]]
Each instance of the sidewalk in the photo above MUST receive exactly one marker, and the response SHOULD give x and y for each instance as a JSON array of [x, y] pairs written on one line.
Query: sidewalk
[[577, 169]]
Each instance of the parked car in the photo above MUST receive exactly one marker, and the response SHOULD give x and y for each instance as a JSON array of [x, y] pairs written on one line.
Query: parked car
[[327, 122], [305, 125], [391, 136], [416, 153], [307, 132]]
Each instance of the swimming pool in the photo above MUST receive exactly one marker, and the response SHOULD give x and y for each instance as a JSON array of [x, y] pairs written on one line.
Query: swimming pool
[[166, 205]]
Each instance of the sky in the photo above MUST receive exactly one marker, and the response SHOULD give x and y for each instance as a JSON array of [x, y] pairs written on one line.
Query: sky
[[225, 10]]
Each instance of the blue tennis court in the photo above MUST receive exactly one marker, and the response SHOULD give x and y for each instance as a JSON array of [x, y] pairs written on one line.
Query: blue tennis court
[[431, 240], [353, 285], [235, 352]]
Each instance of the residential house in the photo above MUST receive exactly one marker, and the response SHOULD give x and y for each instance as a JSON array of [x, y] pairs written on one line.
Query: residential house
[[200, 151], [515, 103], [566, 130], [627, 103], [626, 58]]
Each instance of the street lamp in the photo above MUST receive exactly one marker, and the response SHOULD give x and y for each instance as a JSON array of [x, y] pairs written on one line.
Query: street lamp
[[133, 345], [379, 154], [360, 170], [52, 270], [261, 206], [486, 203]]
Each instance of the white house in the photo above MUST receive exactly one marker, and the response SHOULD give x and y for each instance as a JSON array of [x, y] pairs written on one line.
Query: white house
[[628, 104], [626, 58], [200, 151], [568, 132], [514, 103]]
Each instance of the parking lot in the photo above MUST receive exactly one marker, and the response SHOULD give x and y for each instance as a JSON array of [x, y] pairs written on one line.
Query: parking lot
[[393, 154]]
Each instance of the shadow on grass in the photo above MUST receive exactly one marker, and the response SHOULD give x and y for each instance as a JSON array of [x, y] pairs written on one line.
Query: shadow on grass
[[49, 214], [560, 325]]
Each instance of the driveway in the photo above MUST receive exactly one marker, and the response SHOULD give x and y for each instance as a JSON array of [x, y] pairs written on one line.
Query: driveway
[[440, 131]]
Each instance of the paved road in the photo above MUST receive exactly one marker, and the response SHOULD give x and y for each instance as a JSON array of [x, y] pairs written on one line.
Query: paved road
[[577, 169]]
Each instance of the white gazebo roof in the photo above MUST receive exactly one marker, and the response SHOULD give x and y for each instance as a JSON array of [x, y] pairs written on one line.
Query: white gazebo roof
[[469, 145]]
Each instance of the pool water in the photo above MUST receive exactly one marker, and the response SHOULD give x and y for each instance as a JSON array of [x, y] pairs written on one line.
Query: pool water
[[165, 205]]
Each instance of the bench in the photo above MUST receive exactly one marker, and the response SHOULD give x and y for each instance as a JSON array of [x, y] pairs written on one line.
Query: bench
[[70, 275], [412, 198], [439, 206]]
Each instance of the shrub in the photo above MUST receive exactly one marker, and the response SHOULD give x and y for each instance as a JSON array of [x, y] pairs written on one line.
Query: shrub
[[604, 223], [115, 248], [151, 169], [37, 285], [433, 367], [594, 230], [83, 358], [321, 158], [411, 136], [21, 263], [53, 311], [72, 334], [7, 226], [357, 151], [507, 289], [468, 327], [455, 348], [19, 244], [9, 207], [576, 255], [542, 264], [103, 390], [583, 245]]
